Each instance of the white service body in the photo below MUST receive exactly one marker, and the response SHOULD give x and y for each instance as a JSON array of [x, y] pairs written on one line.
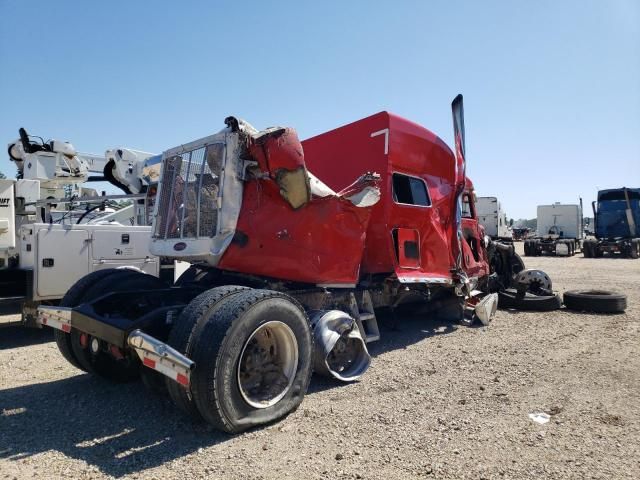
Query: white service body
[[7, 216], [60, 255], [492, 217], [566, 219]]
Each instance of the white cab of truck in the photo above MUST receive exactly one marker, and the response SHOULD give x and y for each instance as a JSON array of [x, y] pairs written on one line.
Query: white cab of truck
[[560, 219], [492, 217]]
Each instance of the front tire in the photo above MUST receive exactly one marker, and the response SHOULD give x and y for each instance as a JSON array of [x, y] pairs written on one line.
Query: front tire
[[253, 361]]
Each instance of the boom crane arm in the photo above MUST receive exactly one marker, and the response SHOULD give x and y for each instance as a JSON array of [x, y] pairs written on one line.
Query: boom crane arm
[[55, 163]]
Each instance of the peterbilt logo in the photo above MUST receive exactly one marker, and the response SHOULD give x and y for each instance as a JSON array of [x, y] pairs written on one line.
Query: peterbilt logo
[[4, 202]]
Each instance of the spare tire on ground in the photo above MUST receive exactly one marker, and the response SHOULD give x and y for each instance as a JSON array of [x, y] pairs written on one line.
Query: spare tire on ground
[[599, 301], [510, 298]]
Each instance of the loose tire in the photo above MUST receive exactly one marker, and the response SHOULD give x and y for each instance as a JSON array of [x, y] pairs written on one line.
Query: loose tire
[[230, 353], [599, 301], [101, 363], [73, 298], [540, 303], [185, 334]]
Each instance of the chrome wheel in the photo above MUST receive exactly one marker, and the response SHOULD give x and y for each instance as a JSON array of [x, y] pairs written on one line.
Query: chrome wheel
[[268, 364]]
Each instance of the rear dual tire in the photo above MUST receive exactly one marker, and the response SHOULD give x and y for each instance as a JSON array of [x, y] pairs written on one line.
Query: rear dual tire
[[186, 333], [76, 346], [73, 298], [531, 248], [253, 360]]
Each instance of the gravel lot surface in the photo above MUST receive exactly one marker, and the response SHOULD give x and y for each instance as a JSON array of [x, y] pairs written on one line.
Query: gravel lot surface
[[439, 401]]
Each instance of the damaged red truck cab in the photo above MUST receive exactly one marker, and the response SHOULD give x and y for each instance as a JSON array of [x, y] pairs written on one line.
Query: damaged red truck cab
[[294, 247], [411, 228]]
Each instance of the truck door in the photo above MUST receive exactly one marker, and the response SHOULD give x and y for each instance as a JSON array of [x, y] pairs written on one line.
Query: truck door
[[473, 255], [418, 229]]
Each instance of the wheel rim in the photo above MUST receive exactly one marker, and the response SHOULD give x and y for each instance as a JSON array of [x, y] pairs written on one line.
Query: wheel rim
[[268, 364]]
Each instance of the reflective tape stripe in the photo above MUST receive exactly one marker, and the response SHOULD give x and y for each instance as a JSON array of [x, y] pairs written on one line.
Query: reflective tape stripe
[[149, 363], [53, 323], [166, 370]]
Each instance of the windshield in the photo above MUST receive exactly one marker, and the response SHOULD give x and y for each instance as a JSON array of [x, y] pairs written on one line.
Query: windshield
[[612, 217]]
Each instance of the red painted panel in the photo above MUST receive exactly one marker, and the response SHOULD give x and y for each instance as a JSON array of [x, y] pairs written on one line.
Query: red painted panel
[[336, 157], [329, 240], [408, 248], [278, 149], [322, 242]]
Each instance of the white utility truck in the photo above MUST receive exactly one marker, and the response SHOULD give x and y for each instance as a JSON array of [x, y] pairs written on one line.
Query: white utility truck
[[559, 230], [493, 218], [54, 230]]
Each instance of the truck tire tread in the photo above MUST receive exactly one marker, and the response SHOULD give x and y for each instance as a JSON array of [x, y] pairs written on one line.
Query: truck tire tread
[[71, 299], [599, 301], [185, 334], [539, 303], [212, 348], [103, 364]]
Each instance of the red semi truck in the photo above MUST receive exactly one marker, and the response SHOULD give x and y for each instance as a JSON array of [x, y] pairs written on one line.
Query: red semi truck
[[294, 246]]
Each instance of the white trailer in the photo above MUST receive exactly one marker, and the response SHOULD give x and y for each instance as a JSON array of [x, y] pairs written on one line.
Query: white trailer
[[559, 230], [493, 218]]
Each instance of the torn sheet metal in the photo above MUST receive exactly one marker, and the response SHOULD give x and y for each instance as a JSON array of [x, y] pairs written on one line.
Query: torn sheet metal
[[278, 151], [292, 226], [319, 243], [340, 351]]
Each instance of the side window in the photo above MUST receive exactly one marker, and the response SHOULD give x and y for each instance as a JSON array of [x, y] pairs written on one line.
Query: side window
[[466, 206], [410, 190]]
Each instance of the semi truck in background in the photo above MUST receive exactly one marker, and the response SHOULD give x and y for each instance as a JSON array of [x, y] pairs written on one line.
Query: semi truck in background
[[559, 230], [616, 224], [493, 218]]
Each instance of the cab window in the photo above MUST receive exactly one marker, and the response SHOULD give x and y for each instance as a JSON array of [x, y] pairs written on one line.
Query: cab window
[[410, 190], [467, 208]]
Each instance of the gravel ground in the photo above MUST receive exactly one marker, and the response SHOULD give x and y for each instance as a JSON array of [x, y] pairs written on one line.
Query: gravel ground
[[439, 401]]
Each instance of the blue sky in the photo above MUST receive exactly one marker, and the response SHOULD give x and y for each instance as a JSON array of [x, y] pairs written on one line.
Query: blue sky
[[552, 88]]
